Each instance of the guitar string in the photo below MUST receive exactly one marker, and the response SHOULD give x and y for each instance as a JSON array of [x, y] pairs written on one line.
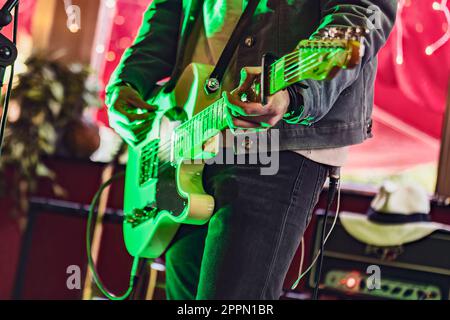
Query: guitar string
[[298, 51], [208, 111], [304, 68], [162, 166], [293, 56], [293, 65], [166, 149], [286, 59], [305, 62], [297, 68], [273, 66], [292, 62], [297, 63], [292, 75], [288, 75]]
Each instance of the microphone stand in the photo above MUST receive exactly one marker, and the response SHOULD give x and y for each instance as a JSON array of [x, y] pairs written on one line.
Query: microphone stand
[[8, 55]]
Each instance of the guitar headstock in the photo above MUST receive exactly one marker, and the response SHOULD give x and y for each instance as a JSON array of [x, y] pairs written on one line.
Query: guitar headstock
[[333, 48], [350, 39], [319, 58]]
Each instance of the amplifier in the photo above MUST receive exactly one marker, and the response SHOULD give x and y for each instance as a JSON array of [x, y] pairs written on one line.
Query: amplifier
[[414, 271]]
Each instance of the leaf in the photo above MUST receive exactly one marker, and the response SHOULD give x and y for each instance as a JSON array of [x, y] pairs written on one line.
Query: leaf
[[59, 191], [43, 171], [76, 67], [38, 119], [55, 107], [35, 93], [57, 89], [48, 74], [18, 150]]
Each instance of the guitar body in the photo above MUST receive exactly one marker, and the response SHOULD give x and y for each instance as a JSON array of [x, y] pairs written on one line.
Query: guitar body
[[159, 197]]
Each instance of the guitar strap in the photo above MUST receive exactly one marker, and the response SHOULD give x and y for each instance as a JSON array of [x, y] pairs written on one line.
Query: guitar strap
[[216, 77]]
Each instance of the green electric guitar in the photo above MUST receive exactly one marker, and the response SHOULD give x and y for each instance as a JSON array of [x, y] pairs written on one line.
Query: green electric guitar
[[162, 189]]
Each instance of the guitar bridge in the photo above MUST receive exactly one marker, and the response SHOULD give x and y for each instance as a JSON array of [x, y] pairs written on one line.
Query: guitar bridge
[[149, 162], [139, 216]]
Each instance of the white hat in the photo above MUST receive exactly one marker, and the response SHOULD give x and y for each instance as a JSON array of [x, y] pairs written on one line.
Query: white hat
[[399, 214]]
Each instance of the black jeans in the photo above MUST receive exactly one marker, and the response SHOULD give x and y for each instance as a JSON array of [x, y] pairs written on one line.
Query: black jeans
[[244, 252]]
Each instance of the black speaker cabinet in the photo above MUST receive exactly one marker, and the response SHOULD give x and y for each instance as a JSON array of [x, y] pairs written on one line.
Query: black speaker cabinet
[[54, 243], [414, 271]]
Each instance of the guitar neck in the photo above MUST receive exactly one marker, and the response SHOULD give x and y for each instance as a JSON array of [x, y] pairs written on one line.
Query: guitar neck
[[309, 62], [284, 72], [192, 134], [314, 59]]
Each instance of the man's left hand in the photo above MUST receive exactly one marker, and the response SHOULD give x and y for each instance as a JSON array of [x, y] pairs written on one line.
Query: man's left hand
[[250, 114]]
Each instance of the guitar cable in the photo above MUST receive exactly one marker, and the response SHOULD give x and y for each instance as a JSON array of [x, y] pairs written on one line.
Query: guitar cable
[[333, 189], [91, 264]]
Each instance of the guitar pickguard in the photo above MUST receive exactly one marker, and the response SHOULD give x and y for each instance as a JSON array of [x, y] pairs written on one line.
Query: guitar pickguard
[[167, 197]]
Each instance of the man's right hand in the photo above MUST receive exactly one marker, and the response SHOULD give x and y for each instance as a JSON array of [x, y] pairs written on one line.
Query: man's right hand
[[129, 115]]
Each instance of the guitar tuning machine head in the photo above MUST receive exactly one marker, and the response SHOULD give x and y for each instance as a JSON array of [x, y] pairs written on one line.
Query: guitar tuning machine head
[[355, 33], [343, 33], [324, 34]]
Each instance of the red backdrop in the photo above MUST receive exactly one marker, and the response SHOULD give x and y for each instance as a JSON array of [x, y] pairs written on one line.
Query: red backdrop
[[127, 19], [25, 18], [416, 91]]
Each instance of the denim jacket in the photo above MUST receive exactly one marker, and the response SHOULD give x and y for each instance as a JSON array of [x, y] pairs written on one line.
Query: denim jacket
[[341, 108]]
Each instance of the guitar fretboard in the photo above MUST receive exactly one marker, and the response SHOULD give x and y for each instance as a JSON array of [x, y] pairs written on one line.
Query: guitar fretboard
[[189, 137]]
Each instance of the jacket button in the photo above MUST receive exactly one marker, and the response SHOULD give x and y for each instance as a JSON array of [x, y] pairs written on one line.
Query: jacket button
[[370, 127], [249, 41]]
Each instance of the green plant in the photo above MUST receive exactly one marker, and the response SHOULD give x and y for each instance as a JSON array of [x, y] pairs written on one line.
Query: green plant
[[47, 98]]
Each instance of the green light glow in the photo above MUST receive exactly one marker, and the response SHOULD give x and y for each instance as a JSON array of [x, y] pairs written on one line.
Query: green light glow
[[263, 8], [215, 13]]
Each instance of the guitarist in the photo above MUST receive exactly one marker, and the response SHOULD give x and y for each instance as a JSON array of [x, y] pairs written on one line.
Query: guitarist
[[244, 252]]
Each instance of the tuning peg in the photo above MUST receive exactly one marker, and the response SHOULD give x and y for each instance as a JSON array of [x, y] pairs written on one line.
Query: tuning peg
[[324, 33], [354, 33], [332, 32], [343, 33]]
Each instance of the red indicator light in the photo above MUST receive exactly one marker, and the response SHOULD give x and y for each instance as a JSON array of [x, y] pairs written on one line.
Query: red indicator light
[[351, 282]]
